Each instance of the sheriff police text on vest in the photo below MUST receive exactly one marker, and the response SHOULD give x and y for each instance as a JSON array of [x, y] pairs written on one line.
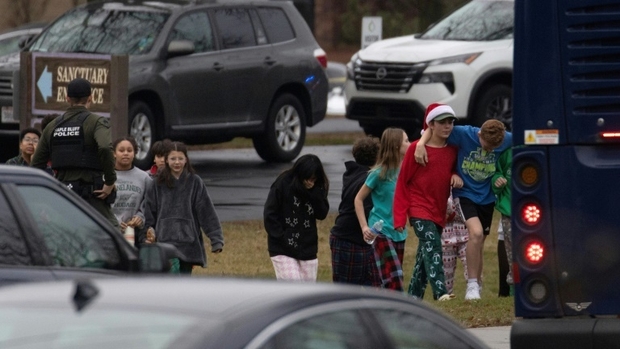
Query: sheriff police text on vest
[[66, 131]]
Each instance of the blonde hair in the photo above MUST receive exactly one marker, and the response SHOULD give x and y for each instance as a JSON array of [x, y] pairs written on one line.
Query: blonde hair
[[492, 132], [389, 158]]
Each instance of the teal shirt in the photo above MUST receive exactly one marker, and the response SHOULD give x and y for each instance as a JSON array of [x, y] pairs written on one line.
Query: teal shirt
[[382, 195]]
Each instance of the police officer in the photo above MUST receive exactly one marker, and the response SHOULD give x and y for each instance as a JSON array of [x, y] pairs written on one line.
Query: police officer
[[79, 146]]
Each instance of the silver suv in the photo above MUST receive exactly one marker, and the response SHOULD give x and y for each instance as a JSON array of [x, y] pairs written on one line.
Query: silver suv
[[203, 72]]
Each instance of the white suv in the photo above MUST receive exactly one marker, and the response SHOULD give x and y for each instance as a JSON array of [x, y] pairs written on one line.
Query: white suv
[[464, 60]]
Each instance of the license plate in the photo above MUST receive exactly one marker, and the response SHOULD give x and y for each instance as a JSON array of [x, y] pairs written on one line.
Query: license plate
[[7, 115]]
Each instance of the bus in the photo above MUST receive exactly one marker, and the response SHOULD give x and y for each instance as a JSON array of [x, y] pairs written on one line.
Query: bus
[[566, 174]]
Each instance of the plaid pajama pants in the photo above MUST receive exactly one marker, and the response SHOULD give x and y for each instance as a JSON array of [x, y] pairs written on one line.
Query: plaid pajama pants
[[389, 255], [353, 264]]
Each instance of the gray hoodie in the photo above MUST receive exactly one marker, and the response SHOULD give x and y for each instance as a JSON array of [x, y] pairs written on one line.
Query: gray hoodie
[[177, 214]]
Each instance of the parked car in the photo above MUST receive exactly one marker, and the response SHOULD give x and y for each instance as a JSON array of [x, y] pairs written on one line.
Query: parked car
[[201, 72], [47, 232], [464, 60], [10, 40], [185, 312]]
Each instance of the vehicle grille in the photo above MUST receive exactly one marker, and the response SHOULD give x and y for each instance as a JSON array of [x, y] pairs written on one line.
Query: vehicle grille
[[6, 79], [387, 77]]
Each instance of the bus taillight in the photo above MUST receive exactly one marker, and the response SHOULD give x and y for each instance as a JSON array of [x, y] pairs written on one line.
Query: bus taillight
[[528, 174], [530, 213], [534, 252]]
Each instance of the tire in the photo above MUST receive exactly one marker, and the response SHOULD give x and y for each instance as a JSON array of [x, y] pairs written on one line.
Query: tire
[[495, 102], [142, 128], [285, 131]]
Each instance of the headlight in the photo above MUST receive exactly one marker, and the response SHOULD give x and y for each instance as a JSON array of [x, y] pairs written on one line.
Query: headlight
[[352, 66], [466, 58]]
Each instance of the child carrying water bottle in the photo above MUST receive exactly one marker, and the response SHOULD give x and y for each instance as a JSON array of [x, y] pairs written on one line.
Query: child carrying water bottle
[[375, 229]]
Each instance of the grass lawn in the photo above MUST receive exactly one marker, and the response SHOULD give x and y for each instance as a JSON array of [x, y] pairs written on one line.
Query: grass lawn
[[245, 255]]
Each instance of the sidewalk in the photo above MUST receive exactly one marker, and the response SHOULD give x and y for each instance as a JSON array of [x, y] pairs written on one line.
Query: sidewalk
[[494, 337]]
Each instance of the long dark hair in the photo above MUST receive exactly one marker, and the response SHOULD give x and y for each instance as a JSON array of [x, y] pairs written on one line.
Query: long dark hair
[[165, 175], [306, 167]]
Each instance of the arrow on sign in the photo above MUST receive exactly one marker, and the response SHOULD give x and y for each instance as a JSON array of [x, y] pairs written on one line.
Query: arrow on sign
[[45, 84]]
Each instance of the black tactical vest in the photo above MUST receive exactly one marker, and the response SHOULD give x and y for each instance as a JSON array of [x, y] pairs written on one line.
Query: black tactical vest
[[68, 146]]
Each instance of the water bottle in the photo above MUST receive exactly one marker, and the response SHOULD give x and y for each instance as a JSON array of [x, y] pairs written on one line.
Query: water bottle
[[376, 229]]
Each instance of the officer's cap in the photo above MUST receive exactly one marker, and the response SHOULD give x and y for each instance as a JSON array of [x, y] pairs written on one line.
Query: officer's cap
[[78, 88]]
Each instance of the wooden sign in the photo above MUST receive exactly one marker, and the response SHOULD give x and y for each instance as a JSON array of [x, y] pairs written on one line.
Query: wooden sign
[[44, 78], [52, 73]]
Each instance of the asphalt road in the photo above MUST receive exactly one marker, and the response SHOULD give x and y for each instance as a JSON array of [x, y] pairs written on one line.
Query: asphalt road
[[238, 180]]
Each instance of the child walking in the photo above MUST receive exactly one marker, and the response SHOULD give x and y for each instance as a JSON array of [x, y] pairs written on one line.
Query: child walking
[[501, 187], [297, 198], [159, 150], [131, 186], [478, 150], [422, 195], [353, 259], [389, 246], [178, 206], [454, 239]]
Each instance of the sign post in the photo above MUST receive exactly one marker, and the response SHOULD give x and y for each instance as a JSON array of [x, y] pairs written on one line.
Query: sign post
[[372, 28], [43, 86]]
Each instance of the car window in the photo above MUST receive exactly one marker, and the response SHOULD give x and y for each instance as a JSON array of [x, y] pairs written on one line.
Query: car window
[[341, 330], [196, 28], [261, 38], [102, 31], [410, 331], [476, 21], [72, 237], [54, 326], [13, 248], [235, 27], [276, 24]]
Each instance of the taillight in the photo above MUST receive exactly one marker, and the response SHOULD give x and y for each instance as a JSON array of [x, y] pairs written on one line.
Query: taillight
[[528, 175], [321, 56], [610, 135], [530, 213], [534, 252]]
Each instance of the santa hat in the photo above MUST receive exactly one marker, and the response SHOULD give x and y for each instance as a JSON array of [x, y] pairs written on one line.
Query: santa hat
[[436, 111]]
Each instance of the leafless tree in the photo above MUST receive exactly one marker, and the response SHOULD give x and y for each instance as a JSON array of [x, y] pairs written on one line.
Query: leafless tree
[[23, 11]]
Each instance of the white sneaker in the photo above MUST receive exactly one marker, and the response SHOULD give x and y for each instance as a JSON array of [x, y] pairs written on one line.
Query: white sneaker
[[473, 292]]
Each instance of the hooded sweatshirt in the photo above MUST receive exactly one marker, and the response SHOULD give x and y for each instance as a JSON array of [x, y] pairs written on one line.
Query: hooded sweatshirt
[[177, 214], [290, 219], [347, 227]]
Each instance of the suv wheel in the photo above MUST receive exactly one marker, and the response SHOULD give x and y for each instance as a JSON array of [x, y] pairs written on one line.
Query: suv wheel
[[285, 132], [142, 128], [495, 102]]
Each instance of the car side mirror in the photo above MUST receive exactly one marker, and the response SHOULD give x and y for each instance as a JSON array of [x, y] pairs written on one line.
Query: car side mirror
[[180, 48], [155, 258], [23, 42]]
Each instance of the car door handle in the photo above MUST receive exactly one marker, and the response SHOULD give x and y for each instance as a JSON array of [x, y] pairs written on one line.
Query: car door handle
[[217, 66], [269, 60]]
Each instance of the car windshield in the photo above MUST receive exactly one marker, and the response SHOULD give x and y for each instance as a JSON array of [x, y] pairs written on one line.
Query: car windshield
[[103, 31], [51, 327], [476, 21]]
